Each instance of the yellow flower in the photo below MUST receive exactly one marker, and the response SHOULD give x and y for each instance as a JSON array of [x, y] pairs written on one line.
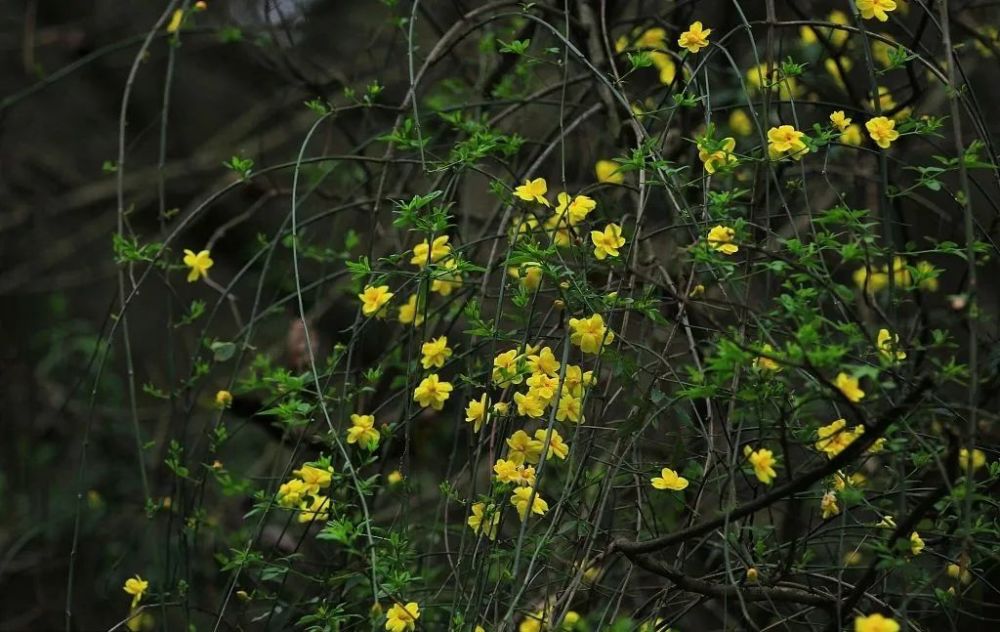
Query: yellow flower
[[505, 369], [94, 500], [877, 9], [853, 558], [533, 191], [394, 477], [882, 131], [577, 208], [513, 471], [835, 70], [484, 519], [590, 572], [590, 334], [570, 620], [374, 299], [570, 409], [785, 139], [807, 35], [888, 345], [840, 120], [834, 437], [654, 625], [881, 52], [506, 471], [721, 238], [740, 123], [608, 172], [869, 280], [542, 387], [887, 522], [852, 135], [363, 432], [447, 280], [669, 479], [529, 404], [137, 587], [916, 543], [607, 242], [424, 253], [531, 278], [885, 100], [900, 273], [973, 464], [665, 64], [175, 21], [436, 352], [314, 478], [763, 362], [560, 233], [753, 575], [223, 399], [557, 446], [837, 37], [655, 37], [476, 412], [928, 275], [315, 510], [722, 157], [199, 264], [875, 623], [140, 621], [520, 499], [757, 80], [534, 622], [402, 618], [855, 480], [848, 385], [524, 449], [292, 493], [828, 505], [526, 224], [544, 362], [695, 38], [432, 392], [577, 379], [763, 463], [960, 571], [411, 313]]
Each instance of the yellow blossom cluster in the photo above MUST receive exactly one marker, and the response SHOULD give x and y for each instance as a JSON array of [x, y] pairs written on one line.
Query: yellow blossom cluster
[[569, 212], [872, 281], [834, 437], [548, 384], [303, 492]]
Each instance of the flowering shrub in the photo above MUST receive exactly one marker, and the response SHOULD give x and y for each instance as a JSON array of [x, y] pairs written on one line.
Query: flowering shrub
[[598, 316]]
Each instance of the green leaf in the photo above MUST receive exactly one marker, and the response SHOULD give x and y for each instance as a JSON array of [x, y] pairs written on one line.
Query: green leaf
[[222, 351]]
